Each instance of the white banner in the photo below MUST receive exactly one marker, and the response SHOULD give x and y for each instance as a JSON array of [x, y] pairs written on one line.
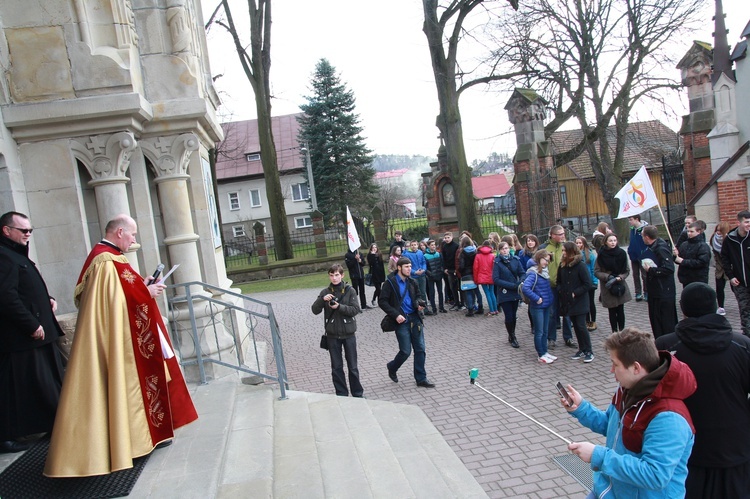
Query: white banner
[[637, 195], [351, 232]]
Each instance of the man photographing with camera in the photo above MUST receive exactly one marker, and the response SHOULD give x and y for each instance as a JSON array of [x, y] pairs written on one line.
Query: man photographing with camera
[[399, 298], [339, 304]]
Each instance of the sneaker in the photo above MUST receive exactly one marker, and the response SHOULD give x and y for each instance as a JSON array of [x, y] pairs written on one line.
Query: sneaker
[[638, 297], [570, 344], [470, 313], [578, 355], [373, 302], [462, 307], [591, 326], [551, 344], [589, 357], [546, 359], [454, 308], [721, 311], [645, 296], [550, 356], [443, 311]]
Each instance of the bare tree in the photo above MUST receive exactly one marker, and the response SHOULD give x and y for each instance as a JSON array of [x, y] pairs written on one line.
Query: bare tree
[[593, 60], [257, 66], [444, 28]]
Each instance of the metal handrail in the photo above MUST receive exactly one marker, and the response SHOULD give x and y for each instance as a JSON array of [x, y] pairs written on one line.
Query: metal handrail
[[183, 294]]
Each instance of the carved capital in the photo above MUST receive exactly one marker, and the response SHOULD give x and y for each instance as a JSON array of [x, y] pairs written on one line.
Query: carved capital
[[106, 157], [170, 155]]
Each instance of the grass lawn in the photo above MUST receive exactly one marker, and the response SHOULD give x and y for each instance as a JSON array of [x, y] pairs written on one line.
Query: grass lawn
[[318, 280]]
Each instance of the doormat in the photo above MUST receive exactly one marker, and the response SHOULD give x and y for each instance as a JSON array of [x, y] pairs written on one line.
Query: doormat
[[575, 467], [24, 479]]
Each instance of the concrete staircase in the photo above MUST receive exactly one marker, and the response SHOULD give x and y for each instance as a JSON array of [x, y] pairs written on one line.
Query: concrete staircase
[[322, 446]]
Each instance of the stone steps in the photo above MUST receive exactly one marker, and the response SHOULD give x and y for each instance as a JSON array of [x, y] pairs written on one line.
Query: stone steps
[[320, 446]]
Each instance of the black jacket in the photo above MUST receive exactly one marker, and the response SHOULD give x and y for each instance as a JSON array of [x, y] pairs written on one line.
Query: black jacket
[[574, 279], [24, 301], [735, 257], [390, 299], [354, 267], [696, 257], [720, 360], [347, 309], [660, 280], [375, 261], [449, 255]]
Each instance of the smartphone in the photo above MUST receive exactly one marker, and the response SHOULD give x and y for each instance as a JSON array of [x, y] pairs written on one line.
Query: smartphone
[[564, 394]]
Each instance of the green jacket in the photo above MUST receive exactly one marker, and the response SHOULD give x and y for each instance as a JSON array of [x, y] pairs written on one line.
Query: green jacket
[[557, 252]]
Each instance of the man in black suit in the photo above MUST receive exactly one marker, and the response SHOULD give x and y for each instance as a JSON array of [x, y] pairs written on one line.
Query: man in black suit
[[31, 367]]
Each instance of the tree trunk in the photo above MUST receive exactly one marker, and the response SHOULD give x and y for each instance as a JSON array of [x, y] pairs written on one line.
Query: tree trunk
[[449, 118]]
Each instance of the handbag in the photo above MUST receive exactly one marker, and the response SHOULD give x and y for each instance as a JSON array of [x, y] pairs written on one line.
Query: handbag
[[525, 298], [388, 324], [324, 342], [467, 283], [368, 280]]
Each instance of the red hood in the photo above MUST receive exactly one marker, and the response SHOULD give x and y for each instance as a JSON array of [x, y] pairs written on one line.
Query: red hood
[[486, 250]]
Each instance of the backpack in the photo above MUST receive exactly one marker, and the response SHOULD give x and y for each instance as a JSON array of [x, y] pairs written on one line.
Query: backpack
[[525, 298]]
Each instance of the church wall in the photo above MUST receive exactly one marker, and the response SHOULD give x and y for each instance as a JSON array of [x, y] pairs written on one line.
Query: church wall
[[733, 198]]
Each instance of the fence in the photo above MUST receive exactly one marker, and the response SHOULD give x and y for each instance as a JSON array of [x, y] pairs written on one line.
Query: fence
[[242, 251], [208, 318]]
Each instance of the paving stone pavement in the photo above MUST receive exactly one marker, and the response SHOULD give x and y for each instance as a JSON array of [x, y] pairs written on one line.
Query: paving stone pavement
[[508, 454]]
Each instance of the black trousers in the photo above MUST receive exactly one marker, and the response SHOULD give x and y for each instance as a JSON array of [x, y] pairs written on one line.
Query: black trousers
[[582, 334], [359, 287], [662, 313], [337, 365]]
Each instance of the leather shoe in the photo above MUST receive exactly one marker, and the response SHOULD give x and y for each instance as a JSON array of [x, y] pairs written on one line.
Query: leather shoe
[[392, 374], [11, 446], [163, 444], [426, 384]]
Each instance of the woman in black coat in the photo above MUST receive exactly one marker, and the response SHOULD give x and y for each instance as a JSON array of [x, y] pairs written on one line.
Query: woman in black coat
[[573, 285], [377, 271]]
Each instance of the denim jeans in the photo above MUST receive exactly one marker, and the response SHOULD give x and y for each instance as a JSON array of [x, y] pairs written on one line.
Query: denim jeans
[[410, 334], [554, 314], [422, 284], [433, 287], [337, 365], [470, 298], [541, 319], [489, 292]]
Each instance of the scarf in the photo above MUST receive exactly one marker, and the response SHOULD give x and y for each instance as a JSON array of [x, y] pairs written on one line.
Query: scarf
[[613, 260], [716, 242]]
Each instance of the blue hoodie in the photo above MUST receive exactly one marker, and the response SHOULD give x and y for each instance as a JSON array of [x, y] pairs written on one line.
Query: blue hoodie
[[636, 245], [417, 260], [537, 286]]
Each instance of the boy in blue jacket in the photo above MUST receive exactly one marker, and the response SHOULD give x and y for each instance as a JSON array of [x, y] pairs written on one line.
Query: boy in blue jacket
[[636, 246], [648, 427]]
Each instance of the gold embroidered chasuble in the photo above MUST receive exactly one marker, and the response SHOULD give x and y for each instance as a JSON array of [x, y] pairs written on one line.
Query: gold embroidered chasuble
[[123, 390]]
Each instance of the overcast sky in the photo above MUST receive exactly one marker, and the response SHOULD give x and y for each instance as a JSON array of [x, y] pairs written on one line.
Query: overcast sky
[[380, 52]]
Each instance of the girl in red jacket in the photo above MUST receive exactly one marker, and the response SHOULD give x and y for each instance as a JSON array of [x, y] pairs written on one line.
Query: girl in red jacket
[[483, 263]]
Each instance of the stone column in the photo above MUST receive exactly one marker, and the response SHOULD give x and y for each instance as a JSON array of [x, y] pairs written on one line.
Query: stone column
[[381, 236], [170, 156], [107, 158], [260, 243], [532, 162], [319, 233]]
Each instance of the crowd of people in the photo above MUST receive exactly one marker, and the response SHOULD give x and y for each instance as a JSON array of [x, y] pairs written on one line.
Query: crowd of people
[[678, 423]]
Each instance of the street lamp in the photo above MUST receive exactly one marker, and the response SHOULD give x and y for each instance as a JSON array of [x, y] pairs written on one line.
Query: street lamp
[[310, 179]]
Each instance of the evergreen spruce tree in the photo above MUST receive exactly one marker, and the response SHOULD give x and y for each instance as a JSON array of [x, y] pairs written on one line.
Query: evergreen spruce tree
[[341, 162]]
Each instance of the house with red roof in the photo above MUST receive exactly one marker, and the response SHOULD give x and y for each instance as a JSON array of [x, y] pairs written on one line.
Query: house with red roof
[[493, 192], [241, 182]]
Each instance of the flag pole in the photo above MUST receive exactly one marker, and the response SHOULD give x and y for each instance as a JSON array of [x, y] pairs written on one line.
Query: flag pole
[[666, 225]]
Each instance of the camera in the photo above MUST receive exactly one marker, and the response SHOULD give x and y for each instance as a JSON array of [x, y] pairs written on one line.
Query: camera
[[421, 303], [332, 302]]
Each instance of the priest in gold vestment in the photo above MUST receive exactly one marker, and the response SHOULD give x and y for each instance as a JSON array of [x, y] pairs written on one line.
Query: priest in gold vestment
[[123, 392]]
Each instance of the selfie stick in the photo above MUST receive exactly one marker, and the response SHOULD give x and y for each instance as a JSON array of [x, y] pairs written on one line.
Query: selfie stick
[[473, 379]]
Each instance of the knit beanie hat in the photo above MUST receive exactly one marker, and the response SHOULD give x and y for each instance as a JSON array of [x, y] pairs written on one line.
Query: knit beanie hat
[[698, 299]]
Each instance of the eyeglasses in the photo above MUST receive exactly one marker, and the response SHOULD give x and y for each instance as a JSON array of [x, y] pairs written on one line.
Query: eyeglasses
[[25, 231], [559, 234]]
